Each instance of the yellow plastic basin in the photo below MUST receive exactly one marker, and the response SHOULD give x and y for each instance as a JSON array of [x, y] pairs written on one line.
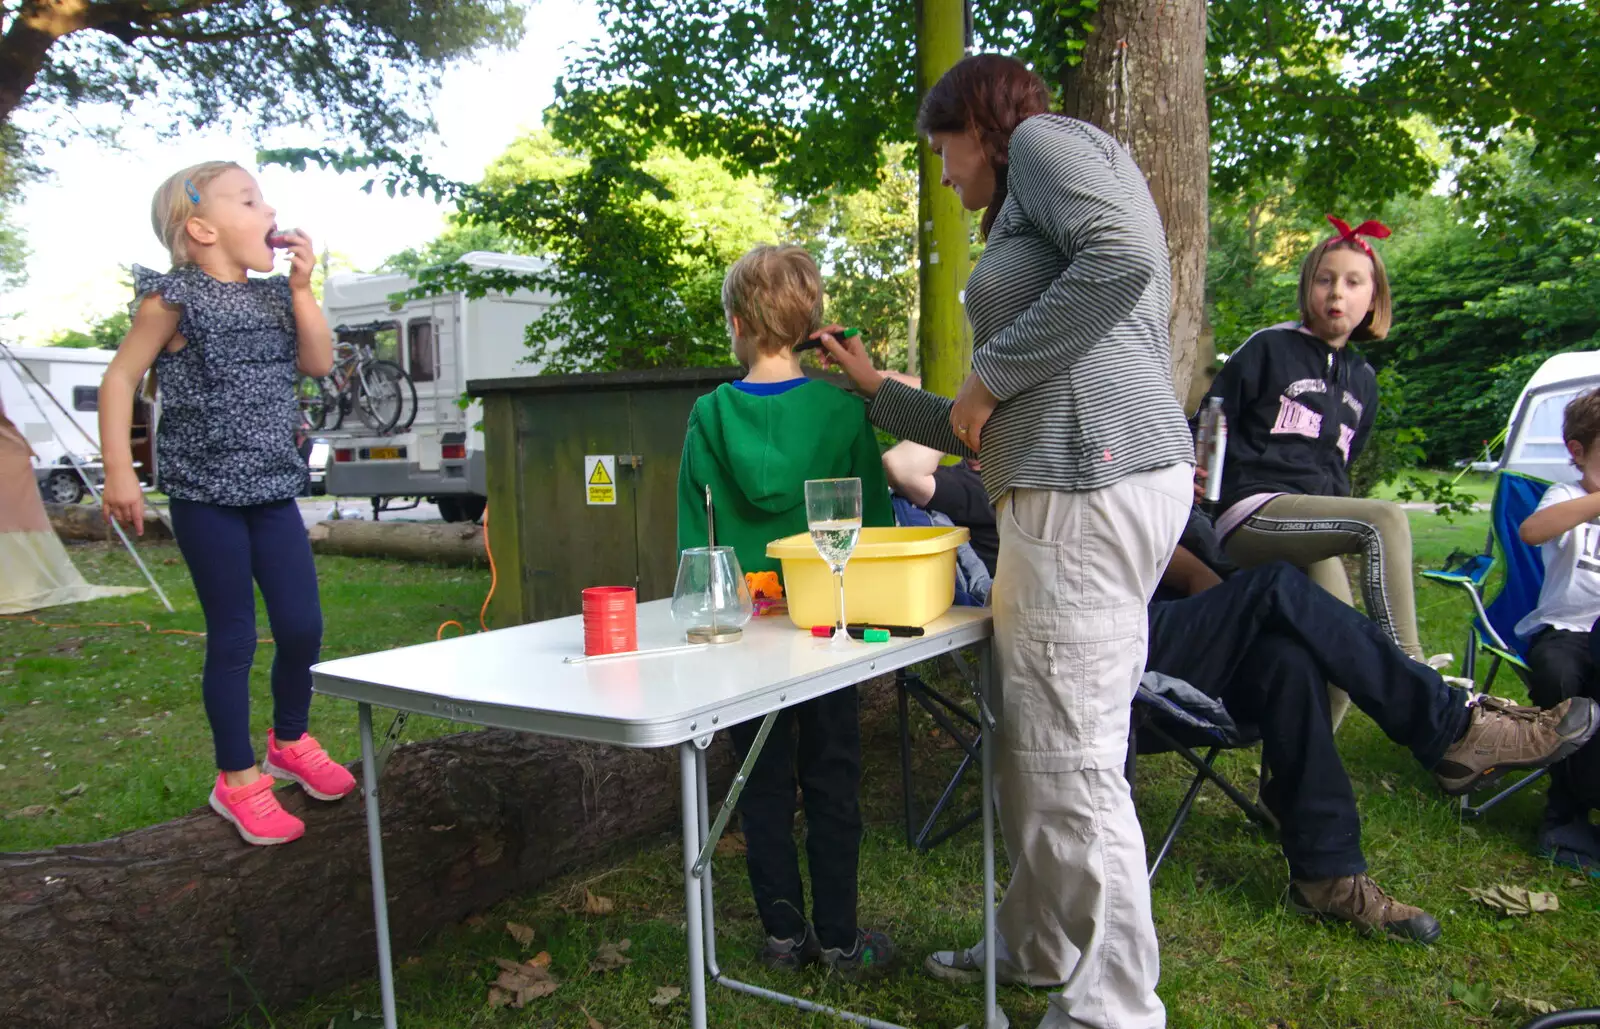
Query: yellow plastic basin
[[897, 576]]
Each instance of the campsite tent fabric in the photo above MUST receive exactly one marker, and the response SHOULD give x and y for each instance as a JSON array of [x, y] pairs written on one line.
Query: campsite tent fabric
[[35, 570]]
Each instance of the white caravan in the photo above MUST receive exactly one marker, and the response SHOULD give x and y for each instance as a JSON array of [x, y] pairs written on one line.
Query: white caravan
[[441, 342], [1533, 432], [72, 378]]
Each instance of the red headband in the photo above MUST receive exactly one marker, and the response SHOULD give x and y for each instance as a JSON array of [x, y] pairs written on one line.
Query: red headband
[[1375, 229]]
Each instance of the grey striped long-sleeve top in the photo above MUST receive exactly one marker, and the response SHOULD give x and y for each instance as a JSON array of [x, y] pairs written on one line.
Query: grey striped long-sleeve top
[[1069, 307]]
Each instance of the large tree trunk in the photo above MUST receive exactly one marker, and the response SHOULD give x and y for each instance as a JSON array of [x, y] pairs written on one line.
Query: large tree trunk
[[1143, 80], [454, 544], [182, 924]]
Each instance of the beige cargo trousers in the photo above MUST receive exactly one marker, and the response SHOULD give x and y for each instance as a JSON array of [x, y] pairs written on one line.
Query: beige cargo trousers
[[1075, 573]]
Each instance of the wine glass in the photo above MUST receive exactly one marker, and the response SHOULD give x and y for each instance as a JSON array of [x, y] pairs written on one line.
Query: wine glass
[[833, 514]]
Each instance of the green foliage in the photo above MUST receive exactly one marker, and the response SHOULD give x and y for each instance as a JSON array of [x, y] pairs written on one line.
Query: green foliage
[[103, 333], [353, 69], [866, 244], [1321, 91], [457, 239]]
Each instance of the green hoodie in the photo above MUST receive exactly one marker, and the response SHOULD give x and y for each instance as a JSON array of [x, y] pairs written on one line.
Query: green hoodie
[[756, 453]]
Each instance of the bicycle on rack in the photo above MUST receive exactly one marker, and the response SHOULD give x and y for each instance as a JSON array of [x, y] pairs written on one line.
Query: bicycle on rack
[[379, 392]]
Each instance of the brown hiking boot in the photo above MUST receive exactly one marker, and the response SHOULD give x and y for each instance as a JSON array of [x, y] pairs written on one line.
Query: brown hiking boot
[[1361, 902], [1503, 736]]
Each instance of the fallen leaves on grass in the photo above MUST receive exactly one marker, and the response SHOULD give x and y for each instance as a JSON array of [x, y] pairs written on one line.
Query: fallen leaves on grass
[[665, 995], [1513, 900], [594, 904], [610, 957], [521, 933], [34, 811], [731, 845], [1532, 1005], [517, 984], [593, 1022], [76, 791]]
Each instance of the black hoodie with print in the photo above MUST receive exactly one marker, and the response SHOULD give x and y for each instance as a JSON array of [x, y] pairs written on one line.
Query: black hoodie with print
[[1299, 412]]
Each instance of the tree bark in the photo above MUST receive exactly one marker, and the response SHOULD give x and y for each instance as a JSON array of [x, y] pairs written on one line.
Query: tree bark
[[1142, 80], [184, 925], [944, 231], [456, 544], [85, 522]]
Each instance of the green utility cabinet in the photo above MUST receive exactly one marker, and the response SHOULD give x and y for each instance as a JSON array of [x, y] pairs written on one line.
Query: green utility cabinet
[[583, 484]]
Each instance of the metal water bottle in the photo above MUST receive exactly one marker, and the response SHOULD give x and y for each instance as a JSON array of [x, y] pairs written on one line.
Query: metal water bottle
[[1211, 445]]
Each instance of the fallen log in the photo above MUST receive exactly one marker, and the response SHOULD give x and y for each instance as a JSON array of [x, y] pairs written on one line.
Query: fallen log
[[85, 522], [455, 543], [184, 925]]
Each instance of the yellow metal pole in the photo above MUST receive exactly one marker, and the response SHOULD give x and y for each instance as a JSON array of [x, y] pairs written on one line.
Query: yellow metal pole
[[944, 240]]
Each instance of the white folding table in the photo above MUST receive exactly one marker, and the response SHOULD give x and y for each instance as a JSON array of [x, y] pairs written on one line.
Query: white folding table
[[521, 678]]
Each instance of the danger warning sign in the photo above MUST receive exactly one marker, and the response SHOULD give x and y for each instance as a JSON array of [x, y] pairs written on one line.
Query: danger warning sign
[[600, 478]]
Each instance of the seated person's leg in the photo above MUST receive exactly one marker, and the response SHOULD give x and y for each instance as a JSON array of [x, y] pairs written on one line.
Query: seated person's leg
[[1561, 665], [1410, 701], [1375, 529], [1329, 573], [1280, 689]]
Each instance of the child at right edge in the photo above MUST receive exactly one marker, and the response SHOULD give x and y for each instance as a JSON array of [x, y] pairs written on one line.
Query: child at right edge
[[1560, 630], [755, 443]]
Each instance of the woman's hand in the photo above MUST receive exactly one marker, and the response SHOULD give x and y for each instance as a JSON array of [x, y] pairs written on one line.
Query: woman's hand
[[122, 500], [302, 258], [849, 354], [973, 406]]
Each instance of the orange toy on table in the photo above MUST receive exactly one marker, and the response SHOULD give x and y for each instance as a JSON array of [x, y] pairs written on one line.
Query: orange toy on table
[[766, 591]]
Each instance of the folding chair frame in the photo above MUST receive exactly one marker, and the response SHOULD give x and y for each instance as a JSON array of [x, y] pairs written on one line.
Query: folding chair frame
[[1481, 635], [1204, 771], [963, 727]]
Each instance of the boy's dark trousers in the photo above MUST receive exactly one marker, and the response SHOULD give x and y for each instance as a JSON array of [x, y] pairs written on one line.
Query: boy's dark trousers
[[821, 740], [1561, 664]]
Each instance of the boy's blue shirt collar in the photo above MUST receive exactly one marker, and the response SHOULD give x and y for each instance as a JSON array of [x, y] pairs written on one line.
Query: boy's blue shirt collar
[[769, 389]]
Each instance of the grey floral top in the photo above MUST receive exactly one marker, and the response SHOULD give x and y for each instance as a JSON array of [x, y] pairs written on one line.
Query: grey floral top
[[228, 411]]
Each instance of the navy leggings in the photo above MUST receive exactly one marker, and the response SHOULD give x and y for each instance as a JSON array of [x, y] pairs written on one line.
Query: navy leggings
[[226, 548]]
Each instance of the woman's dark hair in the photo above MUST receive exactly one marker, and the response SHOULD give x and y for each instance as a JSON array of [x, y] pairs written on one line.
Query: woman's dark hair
[[991, 95]]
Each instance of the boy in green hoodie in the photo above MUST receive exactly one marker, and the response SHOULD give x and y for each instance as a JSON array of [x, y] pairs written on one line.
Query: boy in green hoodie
[[755, 443]]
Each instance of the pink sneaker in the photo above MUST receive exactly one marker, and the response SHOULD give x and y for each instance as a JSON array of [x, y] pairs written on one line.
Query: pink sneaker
[[308, 764], [255, 812]]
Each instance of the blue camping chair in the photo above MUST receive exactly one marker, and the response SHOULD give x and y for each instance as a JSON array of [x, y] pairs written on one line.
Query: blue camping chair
[[1515, 497]]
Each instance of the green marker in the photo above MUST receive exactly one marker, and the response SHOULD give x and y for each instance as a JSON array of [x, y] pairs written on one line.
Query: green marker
[[812, 344]]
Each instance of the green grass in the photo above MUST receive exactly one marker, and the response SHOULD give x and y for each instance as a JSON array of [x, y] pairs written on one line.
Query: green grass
[[117, 709], [1231, 954], [1477, 485]]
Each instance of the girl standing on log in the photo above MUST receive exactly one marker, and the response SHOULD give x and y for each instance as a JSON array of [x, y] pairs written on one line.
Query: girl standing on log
[[226, 348]]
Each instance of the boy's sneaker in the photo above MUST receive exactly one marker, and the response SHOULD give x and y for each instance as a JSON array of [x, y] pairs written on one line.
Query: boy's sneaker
[[790, 955], [870, 958], [1361, 902], [308, 764], [255, 812], [1502, 736]]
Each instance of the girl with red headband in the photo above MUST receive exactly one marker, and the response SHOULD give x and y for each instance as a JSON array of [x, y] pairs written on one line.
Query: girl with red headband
[[1300, 404]]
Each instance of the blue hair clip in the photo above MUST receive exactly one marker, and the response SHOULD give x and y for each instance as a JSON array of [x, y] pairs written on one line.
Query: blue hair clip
[[194, 194]]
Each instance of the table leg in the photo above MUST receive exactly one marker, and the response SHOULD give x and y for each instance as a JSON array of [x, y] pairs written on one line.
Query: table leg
[[380, 897], [993, 1019], [692, 892], [708, 912]]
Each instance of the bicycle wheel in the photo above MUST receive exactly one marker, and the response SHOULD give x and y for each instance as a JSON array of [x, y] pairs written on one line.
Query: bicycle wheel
[[315, 404], [382, 389]]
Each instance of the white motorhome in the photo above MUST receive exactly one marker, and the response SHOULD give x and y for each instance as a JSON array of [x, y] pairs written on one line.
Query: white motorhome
[[56, 410], [1533, 433], [441, 342]]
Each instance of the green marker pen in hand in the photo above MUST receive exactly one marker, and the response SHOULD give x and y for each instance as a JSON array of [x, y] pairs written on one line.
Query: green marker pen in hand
[[813, 344]]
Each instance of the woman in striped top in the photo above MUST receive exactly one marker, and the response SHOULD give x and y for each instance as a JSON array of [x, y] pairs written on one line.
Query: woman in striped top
[[1088, 460]]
